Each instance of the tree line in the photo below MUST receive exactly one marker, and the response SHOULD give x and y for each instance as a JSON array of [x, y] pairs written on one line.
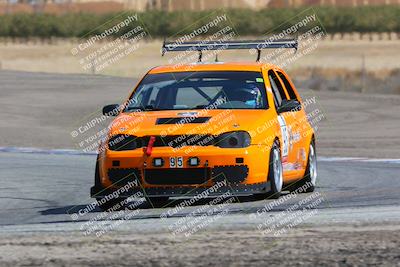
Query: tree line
[[366, 19]]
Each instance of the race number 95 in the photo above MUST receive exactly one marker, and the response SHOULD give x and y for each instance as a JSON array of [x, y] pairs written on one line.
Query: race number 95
[[176, 162]]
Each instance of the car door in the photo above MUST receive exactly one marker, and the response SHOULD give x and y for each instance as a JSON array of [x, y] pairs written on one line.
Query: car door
[[286, 121], [297, 140]]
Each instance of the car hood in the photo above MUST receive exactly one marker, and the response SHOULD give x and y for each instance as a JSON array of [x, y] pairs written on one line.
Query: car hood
[[180, 122]]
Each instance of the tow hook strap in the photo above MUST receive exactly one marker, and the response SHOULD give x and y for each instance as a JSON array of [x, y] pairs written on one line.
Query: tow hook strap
[[149, 148]]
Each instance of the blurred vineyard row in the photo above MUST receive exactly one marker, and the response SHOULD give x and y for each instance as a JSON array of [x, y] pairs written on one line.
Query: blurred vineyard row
[[342, 20]]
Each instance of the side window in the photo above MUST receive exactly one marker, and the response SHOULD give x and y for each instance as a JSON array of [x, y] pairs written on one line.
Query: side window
[[277, 89], [288, 86]]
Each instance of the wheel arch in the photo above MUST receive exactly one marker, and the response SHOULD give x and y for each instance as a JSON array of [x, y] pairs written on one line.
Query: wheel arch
[[275, 140]]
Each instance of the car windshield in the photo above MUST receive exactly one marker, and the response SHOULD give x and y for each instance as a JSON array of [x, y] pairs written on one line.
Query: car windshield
[[198, 90]]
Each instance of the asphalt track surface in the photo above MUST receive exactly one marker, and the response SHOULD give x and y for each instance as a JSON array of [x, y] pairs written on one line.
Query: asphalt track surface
[[40, 191]]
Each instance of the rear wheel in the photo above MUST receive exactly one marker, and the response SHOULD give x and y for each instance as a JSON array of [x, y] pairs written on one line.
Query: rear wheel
[[157, 202], [309, 181], [275, 174]]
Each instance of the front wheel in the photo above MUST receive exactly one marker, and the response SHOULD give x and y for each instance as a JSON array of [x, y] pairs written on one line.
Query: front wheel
[[275, 174]]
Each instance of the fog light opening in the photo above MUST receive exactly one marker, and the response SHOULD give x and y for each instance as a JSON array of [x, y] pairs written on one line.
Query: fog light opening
[[115, 163], [239, 160], [194, 161], [158, 162]]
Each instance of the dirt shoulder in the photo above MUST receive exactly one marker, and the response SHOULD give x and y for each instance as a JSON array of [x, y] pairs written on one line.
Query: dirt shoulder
[[359, 245], [334, 54], [356, 124]]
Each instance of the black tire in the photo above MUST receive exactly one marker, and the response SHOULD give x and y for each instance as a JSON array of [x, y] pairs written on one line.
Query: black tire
[[97, 183], [157, 202], [111, 204], [273, 173], [308, 182]]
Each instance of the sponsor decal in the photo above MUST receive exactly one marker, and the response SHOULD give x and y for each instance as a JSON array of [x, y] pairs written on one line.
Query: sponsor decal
[[188, 114], [285, 138]]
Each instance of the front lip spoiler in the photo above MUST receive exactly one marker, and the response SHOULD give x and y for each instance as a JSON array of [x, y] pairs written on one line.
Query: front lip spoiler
[[183, 191]]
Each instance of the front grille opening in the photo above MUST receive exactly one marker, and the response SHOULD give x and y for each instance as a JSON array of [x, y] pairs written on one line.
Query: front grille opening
[[177, 176], [177, 141], [128, 142], [122, 142]]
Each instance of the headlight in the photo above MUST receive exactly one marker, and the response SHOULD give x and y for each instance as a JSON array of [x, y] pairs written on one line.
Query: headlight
[[122, 142], [237, 139]]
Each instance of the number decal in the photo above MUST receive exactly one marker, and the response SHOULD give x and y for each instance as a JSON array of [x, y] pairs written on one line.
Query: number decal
[[176, 162], [172, 162], [179, 162], [285, 137]]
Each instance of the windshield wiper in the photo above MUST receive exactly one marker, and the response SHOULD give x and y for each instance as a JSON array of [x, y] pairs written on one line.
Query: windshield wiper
[[204, 106], [146, 108], [199, 107], [133, 108]]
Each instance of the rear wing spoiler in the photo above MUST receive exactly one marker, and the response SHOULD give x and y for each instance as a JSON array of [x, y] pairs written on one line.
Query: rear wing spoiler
[[201, 46]]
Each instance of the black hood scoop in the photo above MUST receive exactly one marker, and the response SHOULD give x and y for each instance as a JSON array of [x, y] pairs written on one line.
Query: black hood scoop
[[182, 120]]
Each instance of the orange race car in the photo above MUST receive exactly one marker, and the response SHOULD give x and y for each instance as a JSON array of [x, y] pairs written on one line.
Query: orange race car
[[207, 128]]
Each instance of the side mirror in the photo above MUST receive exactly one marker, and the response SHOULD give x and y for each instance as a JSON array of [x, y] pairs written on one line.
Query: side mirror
[[289, 106], [111, 110]]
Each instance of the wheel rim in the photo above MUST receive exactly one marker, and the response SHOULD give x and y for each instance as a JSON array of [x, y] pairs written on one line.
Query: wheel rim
[[278, 179], [312, 161]]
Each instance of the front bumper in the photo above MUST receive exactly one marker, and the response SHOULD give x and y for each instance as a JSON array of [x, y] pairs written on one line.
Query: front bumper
[[242, 172]]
